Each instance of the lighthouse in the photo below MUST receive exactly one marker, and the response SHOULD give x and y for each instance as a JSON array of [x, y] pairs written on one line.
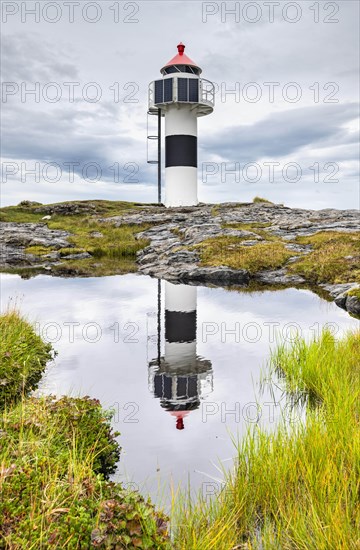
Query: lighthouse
[[181, 96], [180, 378]]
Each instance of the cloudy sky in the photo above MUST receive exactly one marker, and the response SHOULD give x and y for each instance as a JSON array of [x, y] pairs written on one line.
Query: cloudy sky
[[74, 98]]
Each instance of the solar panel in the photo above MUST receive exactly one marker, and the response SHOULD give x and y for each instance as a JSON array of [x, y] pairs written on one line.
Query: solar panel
[[159, 91], [183, 89], [193, 90], [168, 89]]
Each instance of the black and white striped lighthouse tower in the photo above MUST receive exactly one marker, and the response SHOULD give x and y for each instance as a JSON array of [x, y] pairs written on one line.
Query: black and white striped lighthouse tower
[[180, 378], [181, 96]]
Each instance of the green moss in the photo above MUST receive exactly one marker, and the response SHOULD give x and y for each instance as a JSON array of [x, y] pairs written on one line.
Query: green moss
[[230, 252], [335, 258], [23, 358], [38, 250]]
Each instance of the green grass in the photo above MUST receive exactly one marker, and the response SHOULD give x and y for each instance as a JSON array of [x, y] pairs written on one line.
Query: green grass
[[335, 258], [23, 358], [230, 252], [55, 459], [299, 486]]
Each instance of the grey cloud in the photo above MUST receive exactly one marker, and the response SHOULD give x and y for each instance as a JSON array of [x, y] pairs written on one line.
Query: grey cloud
[[29, 58], [284, 133]]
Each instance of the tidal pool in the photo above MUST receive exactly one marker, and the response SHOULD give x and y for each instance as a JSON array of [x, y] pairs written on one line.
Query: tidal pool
[[182, 366]]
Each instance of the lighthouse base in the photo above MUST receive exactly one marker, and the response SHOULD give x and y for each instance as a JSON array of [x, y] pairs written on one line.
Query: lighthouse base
[[181, 186]]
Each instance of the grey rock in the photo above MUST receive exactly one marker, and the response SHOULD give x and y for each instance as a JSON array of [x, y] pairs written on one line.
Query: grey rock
[[278, 276], [16, 237], [67, 208], [341, 298], [352, 305], [216, 275], [337, 289]]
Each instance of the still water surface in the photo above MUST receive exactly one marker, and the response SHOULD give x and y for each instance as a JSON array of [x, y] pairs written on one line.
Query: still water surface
[[180, 365]]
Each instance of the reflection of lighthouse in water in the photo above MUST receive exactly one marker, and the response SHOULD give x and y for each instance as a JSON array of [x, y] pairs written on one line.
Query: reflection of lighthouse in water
[[179, 378]]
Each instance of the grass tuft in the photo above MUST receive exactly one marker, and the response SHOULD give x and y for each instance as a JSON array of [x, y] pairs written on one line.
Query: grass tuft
[[261, 199], [23, 358]]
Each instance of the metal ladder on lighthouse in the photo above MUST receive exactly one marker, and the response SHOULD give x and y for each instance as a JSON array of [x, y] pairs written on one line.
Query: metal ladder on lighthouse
[[156, 137]]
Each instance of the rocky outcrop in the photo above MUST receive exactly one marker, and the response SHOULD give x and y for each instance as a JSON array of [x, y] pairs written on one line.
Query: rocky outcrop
[[341, 297], [67, 208], [174, 233], [16, 237]]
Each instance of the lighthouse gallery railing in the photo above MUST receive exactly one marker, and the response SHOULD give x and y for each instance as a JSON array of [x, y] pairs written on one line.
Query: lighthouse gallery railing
[[206, 93]]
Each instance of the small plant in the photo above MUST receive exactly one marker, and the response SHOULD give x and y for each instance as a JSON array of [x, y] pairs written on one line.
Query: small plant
[[261, 199]]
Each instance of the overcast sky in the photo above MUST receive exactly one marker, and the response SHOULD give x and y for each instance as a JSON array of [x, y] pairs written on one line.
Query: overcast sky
[[289, 132]]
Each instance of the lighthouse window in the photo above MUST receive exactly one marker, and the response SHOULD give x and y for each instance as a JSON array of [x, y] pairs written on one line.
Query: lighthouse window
[[181, 69], [171, 69]]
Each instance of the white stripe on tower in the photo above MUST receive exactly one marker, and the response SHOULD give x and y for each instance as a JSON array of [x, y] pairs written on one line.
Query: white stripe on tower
[[181, 155], [180, 324]]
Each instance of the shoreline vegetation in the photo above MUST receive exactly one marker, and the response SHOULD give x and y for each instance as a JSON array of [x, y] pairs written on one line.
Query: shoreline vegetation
[[56, 456], [297, 487]]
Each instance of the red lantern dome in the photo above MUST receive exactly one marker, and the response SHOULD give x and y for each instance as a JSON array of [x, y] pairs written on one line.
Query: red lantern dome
[[181, 60]]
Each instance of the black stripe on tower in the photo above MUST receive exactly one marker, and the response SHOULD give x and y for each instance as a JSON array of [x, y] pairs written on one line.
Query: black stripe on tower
[[180, 326], [180, 150]]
